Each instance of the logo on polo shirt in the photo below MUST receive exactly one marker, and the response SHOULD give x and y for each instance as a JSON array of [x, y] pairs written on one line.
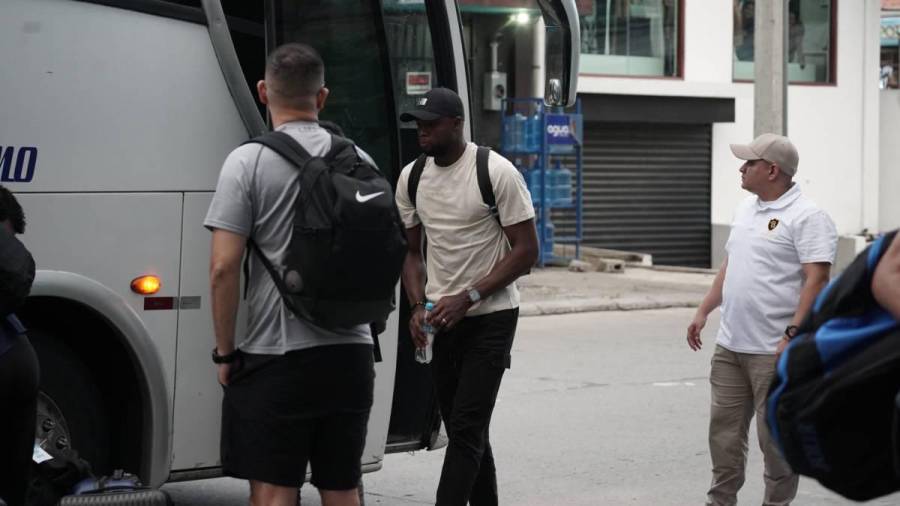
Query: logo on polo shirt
[[773, 223]]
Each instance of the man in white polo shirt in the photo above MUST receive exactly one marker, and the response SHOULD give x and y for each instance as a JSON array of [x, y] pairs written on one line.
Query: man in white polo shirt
[[779, 257]]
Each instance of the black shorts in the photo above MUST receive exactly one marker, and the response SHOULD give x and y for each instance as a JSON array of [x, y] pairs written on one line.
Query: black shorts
[[308, 406]]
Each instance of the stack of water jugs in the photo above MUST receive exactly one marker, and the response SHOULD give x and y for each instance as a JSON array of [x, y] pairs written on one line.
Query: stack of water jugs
[[522, 134], [558, 192], [558, 181]]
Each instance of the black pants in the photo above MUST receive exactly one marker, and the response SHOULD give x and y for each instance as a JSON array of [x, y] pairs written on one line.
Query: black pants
[[19, 379], [469, 362]]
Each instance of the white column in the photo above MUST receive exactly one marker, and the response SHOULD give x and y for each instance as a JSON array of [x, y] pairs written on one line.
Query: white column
[[770, 67], [871, 191]]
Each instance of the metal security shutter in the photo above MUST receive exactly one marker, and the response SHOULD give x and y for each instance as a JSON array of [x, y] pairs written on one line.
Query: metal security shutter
[[647, 189]]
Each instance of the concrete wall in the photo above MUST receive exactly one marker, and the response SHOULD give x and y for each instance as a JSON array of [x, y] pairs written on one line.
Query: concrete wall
[[835, 127], [889, 209]]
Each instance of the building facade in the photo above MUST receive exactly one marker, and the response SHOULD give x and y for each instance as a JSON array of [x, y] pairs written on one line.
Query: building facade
[[667, 85]]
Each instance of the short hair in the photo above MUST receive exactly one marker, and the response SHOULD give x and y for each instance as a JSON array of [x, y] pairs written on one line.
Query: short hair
[[295, 71], [11, 210]]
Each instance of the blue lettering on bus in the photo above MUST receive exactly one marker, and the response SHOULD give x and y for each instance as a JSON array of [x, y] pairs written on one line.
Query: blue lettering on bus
[[17, 165]]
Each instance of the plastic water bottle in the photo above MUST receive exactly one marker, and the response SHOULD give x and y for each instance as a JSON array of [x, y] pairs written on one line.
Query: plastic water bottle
[[534, 141], [424, 355], [562, 185], [520, 123], [534, 179], [507, 136]]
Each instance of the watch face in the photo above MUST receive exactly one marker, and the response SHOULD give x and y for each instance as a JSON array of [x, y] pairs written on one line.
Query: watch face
[[474, 296]]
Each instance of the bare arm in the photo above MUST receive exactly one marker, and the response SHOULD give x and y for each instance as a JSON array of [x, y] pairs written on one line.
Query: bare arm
[[816, 276], [711, 301], [886, 280], [225, 285], [523, 240], [522, 256], [413, 276], [713, 297]]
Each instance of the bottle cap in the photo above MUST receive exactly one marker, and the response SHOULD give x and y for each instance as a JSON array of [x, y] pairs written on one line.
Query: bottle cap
[[429, 306]]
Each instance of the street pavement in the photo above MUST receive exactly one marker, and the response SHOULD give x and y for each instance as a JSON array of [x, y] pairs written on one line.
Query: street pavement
[[604, 408], [559, 291]]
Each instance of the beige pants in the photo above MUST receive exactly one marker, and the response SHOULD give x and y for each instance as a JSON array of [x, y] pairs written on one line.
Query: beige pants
[[740, 382]]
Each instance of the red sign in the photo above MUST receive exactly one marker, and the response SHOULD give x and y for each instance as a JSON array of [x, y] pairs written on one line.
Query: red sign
[[418, 83]]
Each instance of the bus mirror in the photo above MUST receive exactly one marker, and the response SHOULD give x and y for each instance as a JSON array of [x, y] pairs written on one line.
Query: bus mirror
[[563, 48]]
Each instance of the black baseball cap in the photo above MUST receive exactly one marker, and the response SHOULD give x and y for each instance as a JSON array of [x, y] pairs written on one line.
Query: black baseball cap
[[437, 103]]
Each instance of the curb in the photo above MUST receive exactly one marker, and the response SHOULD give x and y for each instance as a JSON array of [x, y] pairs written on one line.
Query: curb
[[593, 305]]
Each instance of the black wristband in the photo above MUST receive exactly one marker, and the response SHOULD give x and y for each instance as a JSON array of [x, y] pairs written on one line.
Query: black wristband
[[419, 303], [791, 331], [223, 359]]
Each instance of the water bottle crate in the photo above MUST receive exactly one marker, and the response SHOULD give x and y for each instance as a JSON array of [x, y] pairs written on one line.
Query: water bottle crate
[[545, 145]]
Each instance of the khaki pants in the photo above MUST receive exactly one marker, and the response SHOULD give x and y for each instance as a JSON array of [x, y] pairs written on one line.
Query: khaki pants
[[740, 382]]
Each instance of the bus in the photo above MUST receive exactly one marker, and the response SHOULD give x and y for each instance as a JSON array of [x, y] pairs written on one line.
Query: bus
[[118, 116]]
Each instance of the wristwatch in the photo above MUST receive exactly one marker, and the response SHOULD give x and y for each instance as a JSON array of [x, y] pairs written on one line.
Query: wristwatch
[[223, 359], [474, 295], [791, 331]]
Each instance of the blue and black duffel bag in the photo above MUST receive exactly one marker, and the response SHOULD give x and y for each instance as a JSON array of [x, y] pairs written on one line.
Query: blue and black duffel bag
[[831, 406]]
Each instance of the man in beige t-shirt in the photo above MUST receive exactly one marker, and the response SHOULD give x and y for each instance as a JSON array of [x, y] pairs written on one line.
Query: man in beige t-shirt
[[475, 254]]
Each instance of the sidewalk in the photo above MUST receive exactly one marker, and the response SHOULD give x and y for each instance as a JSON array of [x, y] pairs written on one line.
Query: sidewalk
[[558, 291]]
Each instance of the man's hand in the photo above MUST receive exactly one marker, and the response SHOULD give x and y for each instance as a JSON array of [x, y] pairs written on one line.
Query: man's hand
[[224, 372], [693, 332], [449, 311], [781, 346], [415, 327]]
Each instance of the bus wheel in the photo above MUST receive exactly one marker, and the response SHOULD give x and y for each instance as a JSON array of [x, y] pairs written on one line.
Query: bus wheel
[[71, 411]]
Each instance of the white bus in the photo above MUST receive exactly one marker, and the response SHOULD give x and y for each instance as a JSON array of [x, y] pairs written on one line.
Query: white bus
[[117, 117]]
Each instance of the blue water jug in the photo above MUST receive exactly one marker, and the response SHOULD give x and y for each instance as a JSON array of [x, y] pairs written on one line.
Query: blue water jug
[[534, 133], [562, 185], [534, 185], [548, 233], [507, 137], [521, 132]]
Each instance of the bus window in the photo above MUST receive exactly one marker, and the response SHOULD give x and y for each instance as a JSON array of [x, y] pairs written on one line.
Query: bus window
[[412, 56], [245, 23], [412, 64], [349, 34]]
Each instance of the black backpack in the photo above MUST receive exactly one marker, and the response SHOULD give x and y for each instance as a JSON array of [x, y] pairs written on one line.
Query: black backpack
[[16, 273], [52, 479], [831, 407], [348, 243], [484, 180]]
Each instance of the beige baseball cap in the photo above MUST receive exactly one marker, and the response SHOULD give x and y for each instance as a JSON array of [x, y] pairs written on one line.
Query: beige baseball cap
[[772, 148]]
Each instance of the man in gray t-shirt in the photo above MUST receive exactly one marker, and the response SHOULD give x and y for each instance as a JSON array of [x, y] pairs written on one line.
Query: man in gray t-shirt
[[276, 415], [255, 198]]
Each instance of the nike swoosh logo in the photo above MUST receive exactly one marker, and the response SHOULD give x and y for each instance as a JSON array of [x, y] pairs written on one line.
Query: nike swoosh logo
[[362, 199]]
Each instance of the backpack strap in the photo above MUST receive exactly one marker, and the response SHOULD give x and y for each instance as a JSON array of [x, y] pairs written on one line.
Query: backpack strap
[[484, 181], [415, 174], [485, 187], [293, 152], [284, 145], [276, 277]]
